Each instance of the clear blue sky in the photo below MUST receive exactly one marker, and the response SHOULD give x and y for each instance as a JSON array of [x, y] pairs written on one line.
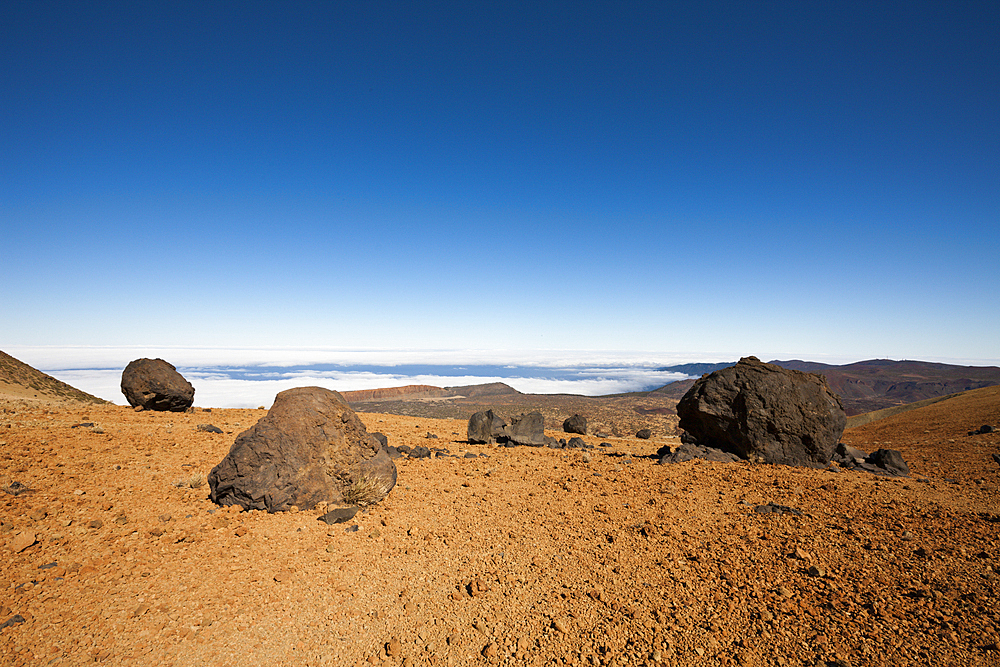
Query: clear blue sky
[[811, 179]]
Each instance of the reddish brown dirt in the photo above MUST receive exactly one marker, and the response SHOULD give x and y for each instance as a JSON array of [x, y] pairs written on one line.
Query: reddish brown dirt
[[524, 556]]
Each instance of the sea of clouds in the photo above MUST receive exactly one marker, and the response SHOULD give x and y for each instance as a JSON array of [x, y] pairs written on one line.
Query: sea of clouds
[[239, 378]]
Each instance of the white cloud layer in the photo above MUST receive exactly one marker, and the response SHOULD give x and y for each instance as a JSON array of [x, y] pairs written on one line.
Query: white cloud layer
[[65, 357], [214, 388]]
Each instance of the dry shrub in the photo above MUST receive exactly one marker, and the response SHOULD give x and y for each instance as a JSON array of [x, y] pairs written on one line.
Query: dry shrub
[[366, 489]]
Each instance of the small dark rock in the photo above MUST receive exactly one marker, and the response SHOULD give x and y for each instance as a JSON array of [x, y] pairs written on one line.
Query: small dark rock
[[773, 508], [419, 452], [644, 434], [576, 443], [576, 424], [209, 428], [352, 529], [431, 436], [48, 565], [13, 620], [339, 515], [378, 435], [891, 461], [848, 456], [15, 488], [689, 452]]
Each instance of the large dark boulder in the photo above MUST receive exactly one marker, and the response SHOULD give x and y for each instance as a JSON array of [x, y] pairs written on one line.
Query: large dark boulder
[[527, 430], [765, 413], [154, 384], [576, 424], [485, 427], [309, 448]]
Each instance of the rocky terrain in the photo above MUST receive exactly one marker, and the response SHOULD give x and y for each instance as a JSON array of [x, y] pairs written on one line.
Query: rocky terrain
[[620, 415], [484, 555]]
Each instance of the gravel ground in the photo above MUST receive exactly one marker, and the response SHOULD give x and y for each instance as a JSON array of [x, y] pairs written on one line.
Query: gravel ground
[[496, 556]]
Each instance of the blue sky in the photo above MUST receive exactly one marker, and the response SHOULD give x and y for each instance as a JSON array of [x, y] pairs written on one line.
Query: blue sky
[[679, 180]]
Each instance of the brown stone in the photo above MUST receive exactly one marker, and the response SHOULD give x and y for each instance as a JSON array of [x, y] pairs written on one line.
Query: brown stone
[[154, 384], [310, 448], [765, 413], [22, 541]]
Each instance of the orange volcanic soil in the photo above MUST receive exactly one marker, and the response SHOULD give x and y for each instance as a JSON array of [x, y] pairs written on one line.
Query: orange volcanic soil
[[113, 553]]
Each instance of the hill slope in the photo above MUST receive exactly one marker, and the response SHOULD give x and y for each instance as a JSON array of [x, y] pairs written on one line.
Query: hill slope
[[21, 380]]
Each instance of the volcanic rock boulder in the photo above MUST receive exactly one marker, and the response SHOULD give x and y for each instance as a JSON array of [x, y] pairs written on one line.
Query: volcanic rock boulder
[[690, 452], [891, 461], [527, 430], [154, 384], [576, 424], [485, 427], [309, 448], [765, 413]]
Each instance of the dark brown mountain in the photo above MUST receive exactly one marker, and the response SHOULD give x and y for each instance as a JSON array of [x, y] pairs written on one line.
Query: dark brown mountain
[[480, 390], [881, 383], [877, 384]]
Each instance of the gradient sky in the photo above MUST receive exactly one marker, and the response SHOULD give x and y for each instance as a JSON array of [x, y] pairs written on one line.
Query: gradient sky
[[788, 179]]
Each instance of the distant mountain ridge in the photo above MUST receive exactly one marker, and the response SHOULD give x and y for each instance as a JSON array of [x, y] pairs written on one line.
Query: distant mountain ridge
[[875, 384], [410, 391], [425, 391], [697, 368]]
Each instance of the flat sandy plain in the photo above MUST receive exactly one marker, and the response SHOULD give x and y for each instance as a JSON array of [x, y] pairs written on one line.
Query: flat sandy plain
[[513, 556]]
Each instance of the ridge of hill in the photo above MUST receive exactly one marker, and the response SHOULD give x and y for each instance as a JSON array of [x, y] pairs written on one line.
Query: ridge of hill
[[21, 380], [877, 384], [419, 392], [410, 391], [488, 389], [697, 368]]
